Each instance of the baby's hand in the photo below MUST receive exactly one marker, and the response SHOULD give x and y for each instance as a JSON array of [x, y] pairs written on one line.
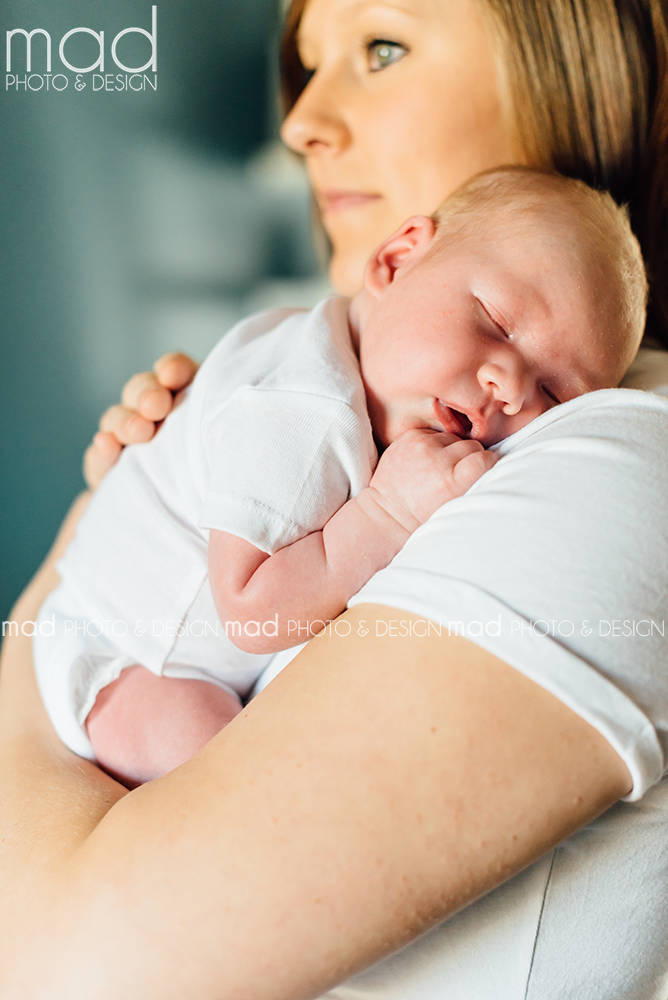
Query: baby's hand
[[423, 469]]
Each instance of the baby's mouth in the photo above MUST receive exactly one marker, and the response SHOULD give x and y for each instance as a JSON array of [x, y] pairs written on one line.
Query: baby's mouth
[[453, 421], [463, 422]]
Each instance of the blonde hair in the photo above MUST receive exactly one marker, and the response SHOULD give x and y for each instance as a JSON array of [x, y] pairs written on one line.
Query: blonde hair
[[525, 199], [591, 80]]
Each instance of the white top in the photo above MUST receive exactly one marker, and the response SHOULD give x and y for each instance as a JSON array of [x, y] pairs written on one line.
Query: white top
[[569, 527], [273, 438], [556, 561]]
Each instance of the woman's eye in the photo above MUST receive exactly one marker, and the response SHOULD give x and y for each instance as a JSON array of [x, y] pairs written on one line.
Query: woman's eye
[[382, 53]]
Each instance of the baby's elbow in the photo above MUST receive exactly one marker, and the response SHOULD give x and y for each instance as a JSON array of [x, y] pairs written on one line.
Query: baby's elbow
[[252, 623], [245, 624], [256, 635], [258, 645]]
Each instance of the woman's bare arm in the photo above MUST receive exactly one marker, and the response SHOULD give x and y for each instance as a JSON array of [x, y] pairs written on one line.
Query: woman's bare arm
[[50, 800], [378, 785]]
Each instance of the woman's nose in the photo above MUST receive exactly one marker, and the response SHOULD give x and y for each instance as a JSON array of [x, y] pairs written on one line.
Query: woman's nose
[[315, 124]]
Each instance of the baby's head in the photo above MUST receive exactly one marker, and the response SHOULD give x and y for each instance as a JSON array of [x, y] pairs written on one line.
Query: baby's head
[[524, 290]]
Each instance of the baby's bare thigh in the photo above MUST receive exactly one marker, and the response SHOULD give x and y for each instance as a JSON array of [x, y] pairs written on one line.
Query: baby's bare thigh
[[142, 726]]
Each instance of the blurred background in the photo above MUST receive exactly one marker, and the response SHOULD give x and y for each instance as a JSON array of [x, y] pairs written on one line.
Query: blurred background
[[132, 223]]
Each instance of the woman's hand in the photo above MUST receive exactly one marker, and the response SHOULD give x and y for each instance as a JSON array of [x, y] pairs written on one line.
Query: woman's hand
[[147, 399]]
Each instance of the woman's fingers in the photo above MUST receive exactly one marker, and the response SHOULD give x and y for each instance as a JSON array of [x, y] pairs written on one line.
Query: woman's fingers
[[145, 395], [131, 422], [175, 371], [151, 393], [147, 399], [100, 455], [127, 426]]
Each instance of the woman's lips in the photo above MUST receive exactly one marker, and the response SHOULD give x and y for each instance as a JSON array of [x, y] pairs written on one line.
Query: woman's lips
[[339, 201]]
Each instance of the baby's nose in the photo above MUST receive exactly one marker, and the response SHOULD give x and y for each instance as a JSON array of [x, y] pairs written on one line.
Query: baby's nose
[[507, 382], [514, 403]]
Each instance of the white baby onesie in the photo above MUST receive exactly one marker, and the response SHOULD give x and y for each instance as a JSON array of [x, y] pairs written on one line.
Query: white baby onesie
[[273, 438]]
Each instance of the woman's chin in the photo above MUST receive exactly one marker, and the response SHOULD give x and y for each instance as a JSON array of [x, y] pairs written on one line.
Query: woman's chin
[[346, 270]]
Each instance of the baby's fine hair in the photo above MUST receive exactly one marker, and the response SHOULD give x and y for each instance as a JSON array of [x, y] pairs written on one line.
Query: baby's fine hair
[[522, 195]]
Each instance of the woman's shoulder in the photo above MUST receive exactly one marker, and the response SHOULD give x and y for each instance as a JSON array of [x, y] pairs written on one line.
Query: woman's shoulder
[[619, 414]]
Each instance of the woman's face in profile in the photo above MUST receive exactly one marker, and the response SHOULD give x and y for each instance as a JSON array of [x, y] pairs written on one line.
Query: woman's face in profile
[[403, 106]]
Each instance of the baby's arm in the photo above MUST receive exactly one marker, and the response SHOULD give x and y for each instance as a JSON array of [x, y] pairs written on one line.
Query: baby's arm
[[311, 580]]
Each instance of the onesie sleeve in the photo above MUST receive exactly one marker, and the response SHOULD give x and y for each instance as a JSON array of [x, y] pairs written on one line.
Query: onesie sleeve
[[556, 561], [282, 462]]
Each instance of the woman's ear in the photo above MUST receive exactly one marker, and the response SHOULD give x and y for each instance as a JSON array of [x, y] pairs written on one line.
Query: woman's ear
[[410, 242]]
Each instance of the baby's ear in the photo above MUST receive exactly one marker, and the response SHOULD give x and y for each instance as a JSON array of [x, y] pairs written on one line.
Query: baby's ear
[[410, 242]]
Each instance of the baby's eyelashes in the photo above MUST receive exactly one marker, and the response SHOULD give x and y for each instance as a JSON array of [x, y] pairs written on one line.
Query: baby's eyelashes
[[499, 321], [548, 392]]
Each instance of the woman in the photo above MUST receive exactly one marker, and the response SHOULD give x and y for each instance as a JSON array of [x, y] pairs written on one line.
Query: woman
[[384, 782]]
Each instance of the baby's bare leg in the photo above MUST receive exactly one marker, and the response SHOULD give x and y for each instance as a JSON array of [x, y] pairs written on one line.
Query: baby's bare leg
[[142, 726]]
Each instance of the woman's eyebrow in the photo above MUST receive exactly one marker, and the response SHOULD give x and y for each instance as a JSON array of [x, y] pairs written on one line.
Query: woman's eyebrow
[[400, 7], [371, 6], [362, 8]]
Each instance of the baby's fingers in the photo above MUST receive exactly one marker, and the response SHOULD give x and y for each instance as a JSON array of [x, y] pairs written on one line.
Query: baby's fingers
[[469, 469]]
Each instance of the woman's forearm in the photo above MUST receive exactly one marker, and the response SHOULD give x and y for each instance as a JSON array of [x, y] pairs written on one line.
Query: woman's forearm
[[374, 788], [49, 798]]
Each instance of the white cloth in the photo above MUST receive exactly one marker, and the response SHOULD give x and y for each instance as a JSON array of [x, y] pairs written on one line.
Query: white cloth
[[569, 527], [567, 535], [272, 439], [579, 533]]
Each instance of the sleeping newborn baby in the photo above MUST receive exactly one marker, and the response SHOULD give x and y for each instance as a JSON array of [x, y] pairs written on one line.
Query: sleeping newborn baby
[[261, 506]]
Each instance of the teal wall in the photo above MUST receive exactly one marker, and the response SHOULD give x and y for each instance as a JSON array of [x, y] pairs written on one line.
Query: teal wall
[[127, 219]]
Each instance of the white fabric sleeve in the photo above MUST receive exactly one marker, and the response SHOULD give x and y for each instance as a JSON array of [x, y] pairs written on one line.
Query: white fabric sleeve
[[556, 561], [282, 462]]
